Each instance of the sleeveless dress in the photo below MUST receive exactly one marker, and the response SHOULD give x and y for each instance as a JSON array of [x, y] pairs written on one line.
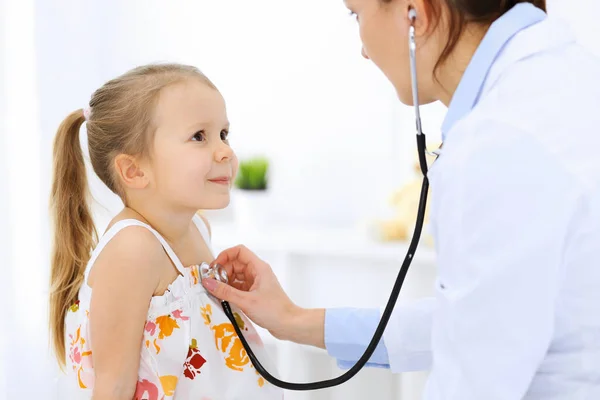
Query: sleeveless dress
[[189, 350]]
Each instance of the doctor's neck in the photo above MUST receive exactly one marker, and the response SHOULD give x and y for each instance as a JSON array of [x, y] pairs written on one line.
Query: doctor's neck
[[447, 35], [450, 72]]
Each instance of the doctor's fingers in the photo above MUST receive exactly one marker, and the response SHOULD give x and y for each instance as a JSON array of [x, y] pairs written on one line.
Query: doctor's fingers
[[244, 268], [227, 292], [241, 255], [240, 271], [240, 274], [242, 285]]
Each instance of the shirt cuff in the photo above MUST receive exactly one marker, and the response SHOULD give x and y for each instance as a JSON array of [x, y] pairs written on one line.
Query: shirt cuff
[[348, 332]]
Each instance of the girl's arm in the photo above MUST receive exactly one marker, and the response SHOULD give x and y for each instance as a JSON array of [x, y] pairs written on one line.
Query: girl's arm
[[123, 279]]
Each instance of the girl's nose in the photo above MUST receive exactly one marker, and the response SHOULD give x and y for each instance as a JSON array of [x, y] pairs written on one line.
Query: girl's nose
[[223, 152]]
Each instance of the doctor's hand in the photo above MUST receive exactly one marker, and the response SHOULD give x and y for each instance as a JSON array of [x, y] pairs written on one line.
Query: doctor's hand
[[254, 288]]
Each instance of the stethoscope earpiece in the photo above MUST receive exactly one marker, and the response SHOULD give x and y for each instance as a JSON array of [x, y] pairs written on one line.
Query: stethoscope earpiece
[[412, 15]]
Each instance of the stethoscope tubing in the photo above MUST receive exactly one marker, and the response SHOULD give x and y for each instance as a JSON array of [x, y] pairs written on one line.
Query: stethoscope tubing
[[389, 308]]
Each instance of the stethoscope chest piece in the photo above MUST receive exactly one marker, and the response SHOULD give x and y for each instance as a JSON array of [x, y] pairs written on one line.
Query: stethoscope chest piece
[[215, 272]]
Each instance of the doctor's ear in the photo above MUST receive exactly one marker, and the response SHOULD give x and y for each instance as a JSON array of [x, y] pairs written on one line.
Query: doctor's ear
[[420, 14]]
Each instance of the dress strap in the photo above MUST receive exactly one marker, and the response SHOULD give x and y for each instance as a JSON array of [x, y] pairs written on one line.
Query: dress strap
[[203, 228], [116, 228]]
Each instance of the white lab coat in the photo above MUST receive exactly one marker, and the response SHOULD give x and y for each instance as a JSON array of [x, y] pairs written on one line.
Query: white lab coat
[[515, 209]]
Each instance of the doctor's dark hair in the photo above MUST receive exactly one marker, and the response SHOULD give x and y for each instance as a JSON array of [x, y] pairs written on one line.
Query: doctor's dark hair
[[119, 121], [462, 12]]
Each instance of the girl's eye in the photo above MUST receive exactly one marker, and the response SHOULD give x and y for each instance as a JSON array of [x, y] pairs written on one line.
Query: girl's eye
[[354, 15], [224, 134], [198, 136]]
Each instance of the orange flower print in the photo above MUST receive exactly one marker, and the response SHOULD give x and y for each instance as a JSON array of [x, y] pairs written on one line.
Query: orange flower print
[[166, 325], [156, 346], [229, 343], [206, 314], [261, 380], [195, 274], [168, 383], [81, 359], [162, 327]]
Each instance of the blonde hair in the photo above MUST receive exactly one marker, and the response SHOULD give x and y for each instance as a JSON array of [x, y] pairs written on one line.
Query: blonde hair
[[119, 122]]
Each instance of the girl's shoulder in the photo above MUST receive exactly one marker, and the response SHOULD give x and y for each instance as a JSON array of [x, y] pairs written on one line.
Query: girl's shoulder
[[128, 248]]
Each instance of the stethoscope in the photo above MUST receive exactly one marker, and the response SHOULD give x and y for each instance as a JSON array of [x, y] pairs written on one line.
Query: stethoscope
[[218, 273]]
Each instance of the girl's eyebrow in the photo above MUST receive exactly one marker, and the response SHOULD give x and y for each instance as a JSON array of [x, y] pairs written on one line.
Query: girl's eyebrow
[[198, 124]]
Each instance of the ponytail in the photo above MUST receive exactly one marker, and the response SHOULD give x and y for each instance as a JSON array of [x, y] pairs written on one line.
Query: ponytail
[[74, 233]]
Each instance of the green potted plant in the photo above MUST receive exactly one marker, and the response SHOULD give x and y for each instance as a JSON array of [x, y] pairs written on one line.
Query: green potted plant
[[251, 183], [252, 174]]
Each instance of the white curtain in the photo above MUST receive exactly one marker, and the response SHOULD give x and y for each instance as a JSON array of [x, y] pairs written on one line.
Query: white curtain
[[24, 218], [5, 247]]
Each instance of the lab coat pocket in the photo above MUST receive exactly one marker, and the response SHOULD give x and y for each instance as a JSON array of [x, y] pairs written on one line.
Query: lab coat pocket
[[453, 284], [443, 291]]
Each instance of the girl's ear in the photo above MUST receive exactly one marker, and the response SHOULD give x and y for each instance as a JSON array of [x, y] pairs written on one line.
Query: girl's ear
[[130, 172]]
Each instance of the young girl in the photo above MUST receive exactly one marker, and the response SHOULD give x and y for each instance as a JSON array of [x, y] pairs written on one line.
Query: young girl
[[131, 318]]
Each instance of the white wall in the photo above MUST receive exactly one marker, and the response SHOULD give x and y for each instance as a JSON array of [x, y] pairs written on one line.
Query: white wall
[[5, 248], [24, 266]]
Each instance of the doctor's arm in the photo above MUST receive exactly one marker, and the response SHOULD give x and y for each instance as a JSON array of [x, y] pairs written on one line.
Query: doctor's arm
[[348, 332], [501, 231], [344, 332]]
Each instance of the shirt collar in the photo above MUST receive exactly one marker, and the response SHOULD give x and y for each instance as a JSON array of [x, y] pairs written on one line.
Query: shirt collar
[[498, 35]]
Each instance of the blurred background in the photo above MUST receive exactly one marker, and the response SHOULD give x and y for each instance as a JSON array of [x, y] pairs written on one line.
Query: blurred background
[[335, 214]]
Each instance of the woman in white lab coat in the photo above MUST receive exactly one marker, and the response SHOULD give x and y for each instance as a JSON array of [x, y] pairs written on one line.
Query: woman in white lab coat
[[515, 210]]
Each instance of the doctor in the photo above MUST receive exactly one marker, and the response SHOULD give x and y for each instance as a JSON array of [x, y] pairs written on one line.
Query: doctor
[[515, 210]]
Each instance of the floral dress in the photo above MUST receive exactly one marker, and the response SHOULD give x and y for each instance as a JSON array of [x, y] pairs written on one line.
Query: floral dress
[[189, 350]]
